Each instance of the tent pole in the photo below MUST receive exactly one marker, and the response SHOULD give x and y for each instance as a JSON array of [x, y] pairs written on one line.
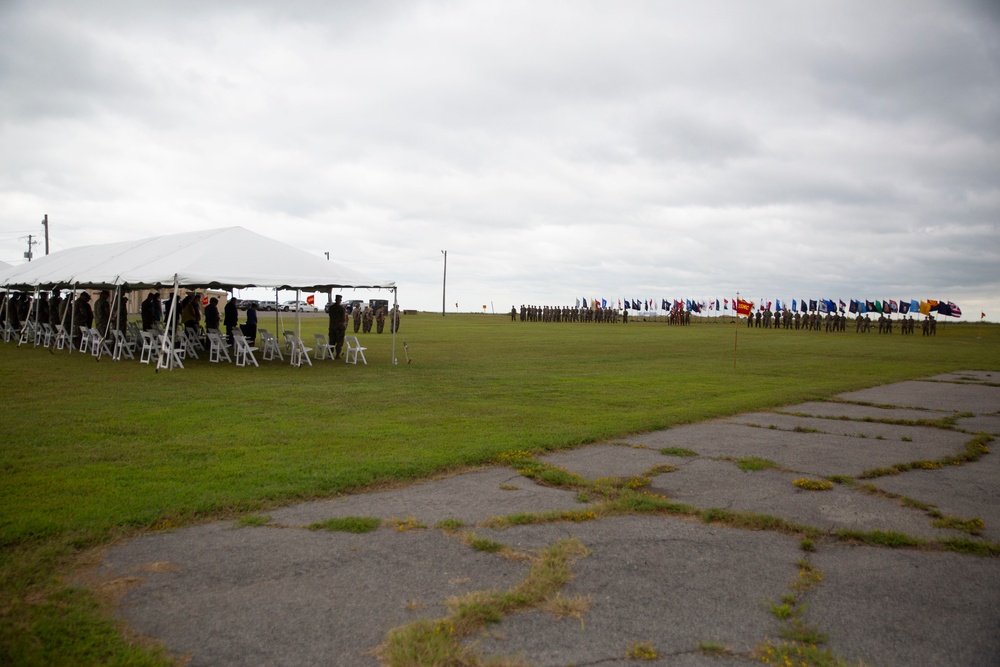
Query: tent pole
[[107, 328], [392, 321], [27, 320], [168, 334], [62, 321], [3, 310], [37, 315], [72, 317], [277, 315], [298, 323]]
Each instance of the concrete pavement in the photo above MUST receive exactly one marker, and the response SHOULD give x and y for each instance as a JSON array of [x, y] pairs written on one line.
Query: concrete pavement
[[280, 594]]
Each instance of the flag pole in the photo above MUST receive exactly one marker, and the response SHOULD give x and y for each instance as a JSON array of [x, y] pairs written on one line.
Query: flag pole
[[736, 331]]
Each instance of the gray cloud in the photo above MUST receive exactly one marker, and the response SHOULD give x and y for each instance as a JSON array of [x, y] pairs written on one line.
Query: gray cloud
[[557, 150]]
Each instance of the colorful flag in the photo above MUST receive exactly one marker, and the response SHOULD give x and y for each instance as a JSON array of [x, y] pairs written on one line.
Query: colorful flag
[[955, 310], [584, 302], [893, 306], [843, 305], [795, 305], [744, 307], [904, 307], [311, 300], [823, 306]]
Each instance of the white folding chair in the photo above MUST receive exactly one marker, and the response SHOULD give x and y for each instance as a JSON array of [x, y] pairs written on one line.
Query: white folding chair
[[84, 339], [62, 338], [148, 346], [164, 352], [244, 352], [353, 349], [27, 332], [271, 347], [191, 343], [323, 349], [47, 335], [300, 352], [218, 350], [99, 345], [123, 346]]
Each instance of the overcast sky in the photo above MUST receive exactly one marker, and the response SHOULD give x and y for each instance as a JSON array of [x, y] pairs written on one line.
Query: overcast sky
[[555, 149]]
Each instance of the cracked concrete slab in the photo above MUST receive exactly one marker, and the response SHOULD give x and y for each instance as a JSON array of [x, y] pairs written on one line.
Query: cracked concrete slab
[[482, 494], [706, 483], [813, 453], [979, 399], [896, 607], [666, 581], [279, 596], [851, 411]]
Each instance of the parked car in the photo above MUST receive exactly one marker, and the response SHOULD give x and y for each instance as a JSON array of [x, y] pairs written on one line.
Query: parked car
[[267, 305], [301, 306]]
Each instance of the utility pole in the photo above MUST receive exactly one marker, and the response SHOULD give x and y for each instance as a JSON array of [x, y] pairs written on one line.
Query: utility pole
[[45, 224], [31, 242], [444, 284]]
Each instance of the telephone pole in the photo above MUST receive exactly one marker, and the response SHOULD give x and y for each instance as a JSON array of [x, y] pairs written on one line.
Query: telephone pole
[[31, 242], [444, 283], [45, 224]]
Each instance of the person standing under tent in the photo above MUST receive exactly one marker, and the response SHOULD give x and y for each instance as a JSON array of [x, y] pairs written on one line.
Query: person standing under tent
[[338, 325], [249, 330], [102, 312], [356, 315], [148, 311], [119, 318], [232, 317], [212, 314], [55, 308], [83, 316]]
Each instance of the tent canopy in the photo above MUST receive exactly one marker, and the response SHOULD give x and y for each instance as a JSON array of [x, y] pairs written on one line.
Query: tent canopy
[[231, 257]]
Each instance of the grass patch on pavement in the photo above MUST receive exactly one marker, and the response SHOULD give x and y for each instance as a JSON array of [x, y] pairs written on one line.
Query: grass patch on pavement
[[348, 524], [98, 451]]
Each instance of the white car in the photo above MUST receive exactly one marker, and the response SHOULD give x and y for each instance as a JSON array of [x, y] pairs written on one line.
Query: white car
[[302, 307]]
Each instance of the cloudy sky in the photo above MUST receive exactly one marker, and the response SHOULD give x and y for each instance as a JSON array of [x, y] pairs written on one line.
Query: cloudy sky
[[556, 149]]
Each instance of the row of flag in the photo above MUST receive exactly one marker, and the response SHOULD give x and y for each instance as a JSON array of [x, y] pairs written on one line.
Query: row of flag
[[882, 306]]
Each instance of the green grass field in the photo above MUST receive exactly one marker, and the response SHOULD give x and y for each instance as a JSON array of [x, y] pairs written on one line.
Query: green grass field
[[96, 451]]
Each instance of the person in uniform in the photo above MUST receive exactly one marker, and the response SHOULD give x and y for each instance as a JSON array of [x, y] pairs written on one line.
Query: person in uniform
[[146, 311], [102, 312], [83, 316], [356, 314], [380, 319], [394, 319], [338, 325], [212, 314], [231, 317]]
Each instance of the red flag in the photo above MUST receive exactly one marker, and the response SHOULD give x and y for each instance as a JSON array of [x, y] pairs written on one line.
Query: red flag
[[311, 300], [743, 307], [981, 315]]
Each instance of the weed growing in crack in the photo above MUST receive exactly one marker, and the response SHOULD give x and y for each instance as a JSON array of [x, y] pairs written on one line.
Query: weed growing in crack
[[348, 524]]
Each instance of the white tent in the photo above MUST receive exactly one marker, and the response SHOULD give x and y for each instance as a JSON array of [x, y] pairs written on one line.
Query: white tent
[[216, 258], [231, 257]]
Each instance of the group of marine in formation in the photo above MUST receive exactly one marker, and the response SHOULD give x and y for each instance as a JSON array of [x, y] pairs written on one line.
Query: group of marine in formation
[[838, 322], [765, 319]]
